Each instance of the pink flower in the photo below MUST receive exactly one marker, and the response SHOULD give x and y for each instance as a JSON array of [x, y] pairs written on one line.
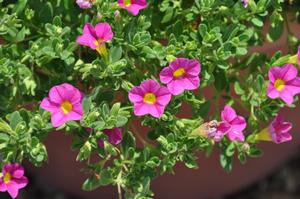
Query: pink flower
[[149, 98], [12, 179], [284, 83], [133, 6], [114, 136], [237, 124], [64, 103], [96, 37], [84, 4], [245, 3], [182, 74], [278, 131]]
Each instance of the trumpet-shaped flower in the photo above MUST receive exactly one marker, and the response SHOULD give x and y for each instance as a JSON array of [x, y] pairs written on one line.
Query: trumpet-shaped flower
[[64, 103], [85, 4], [182, 74], [277, 132], [96, 37], [284, 83], [149, 98], [295, 59], [114, 136], [133, 6], [12, 179], [236, 123]]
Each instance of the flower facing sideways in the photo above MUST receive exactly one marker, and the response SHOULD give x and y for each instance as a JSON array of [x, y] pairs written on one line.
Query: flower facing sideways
[[114, 136], [284, 83], [182, 74], [12, 179], [133, 6], [96, 37], [213, 130], [64, 103], [235, 122], [277, 132], [149, 98]]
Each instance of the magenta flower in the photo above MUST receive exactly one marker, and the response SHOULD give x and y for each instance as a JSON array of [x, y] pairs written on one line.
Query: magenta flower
[[114, 136], [245, 3], [149, 98], [278, 131], [84, 4], [133, 6], [284, 83], [182, 74], [96, 37], [237, 124], [12, 179], [64, 103]]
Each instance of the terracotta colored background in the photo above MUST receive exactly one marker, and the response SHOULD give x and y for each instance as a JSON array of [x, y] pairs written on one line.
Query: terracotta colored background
[[209, 181]]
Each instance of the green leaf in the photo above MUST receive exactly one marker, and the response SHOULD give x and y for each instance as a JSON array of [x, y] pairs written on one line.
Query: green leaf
[[257, 22], [230, 149], [115, 53]]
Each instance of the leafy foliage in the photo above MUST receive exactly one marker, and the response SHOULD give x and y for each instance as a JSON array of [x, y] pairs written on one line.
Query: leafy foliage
[[38, 50]]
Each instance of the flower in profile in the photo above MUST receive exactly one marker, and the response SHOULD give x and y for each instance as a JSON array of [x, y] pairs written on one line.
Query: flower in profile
[[12, 179], [64, 103], [277, 132], [85, 4], [213, 130], [149, 98], [245, 3], [114, 136], [284, 83], [96, 37], [237, 124], [133, 6], [182, 74]]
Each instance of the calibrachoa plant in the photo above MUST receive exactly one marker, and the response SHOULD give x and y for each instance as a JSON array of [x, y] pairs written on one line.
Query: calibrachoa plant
[[94, 69]]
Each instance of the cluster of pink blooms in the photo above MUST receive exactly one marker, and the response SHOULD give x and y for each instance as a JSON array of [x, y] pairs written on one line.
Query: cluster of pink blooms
[[132, 6], [12, 179], [152, 98]]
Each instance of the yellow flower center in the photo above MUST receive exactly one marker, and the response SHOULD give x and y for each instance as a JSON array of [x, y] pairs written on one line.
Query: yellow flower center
[[127, 3], [150, 98], [7, 178], [179, 72], [66, 107], [279, 84]]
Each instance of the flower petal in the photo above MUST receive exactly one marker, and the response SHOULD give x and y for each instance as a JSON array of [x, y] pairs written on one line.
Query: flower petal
[[286, 96], [47, 105], [288, 72], [272, 92], [136, 94], [236, 136], [104, 32], [228, 114], [12, 189], [163, 96], [150, 85], [21, 182], [166, 75], [175, 87], [58, 118]]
